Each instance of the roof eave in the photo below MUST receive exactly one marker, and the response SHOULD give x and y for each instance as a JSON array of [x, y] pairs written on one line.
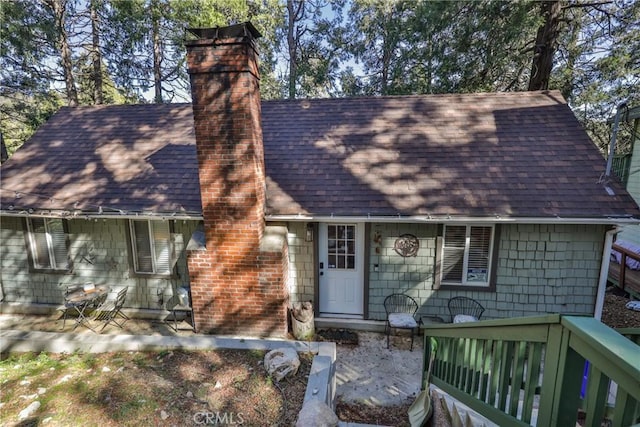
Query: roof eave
[[97, 216], [439, 219]]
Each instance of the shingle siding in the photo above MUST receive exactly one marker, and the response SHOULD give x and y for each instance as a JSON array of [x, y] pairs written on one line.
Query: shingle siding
[[541, 269], [100, 254], [301, 270]]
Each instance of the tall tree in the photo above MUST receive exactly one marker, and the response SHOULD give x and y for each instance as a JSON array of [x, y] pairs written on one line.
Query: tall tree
[[96, 51], [546, 45], [59, 8], [27, 46], [440, 46], [314, 46]]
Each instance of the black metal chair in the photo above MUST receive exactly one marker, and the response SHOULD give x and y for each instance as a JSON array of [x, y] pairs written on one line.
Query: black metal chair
[[465, 306], [109, 311], [67, 309], [401, 310]]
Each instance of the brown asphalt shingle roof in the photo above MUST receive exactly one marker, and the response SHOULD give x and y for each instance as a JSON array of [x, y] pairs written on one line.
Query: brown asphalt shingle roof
[[478, 155]]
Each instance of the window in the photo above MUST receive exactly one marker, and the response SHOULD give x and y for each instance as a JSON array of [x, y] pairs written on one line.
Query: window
[[152, 248], [466, 255], [47, 244], [341, 246]]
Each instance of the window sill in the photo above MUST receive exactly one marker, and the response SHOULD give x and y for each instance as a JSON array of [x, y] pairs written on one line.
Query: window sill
[[461, 287], [154, 276], [49, 271]]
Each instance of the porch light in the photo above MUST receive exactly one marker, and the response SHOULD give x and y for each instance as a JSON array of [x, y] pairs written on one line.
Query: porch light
[[309, 235]]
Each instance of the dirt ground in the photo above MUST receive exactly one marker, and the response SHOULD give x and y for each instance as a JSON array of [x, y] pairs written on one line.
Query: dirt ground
[[614, 312], [166, 388]]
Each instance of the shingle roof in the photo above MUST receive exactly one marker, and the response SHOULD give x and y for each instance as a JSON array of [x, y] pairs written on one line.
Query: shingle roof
[[135, 158], [476, 155]]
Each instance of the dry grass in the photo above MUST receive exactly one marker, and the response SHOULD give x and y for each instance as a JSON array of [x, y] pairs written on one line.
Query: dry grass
[[171, 388]]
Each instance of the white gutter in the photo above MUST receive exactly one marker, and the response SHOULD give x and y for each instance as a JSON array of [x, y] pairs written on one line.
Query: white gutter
[[604, 272], [452, 219], [169, 216], [440, 219]]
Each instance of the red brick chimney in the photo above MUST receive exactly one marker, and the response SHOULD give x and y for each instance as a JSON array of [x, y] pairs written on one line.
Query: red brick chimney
[[234, 286]]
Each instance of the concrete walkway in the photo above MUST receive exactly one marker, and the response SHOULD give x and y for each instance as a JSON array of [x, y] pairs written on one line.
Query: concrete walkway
[[372, 374]]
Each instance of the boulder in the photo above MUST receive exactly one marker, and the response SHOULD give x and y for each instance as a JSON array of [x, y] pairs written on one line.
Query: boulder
[[281, 362], [316, 413], [29, 411]]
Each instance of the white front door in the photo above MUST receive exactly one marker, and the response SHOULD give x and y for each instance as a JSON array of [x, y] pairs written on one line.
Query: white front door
[[341, 262]]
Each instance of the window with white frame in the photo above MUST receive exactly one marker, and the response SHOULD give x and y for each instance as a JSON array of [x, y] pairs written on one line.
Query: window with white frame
[[151, 246], [466, 254], [47, 242]]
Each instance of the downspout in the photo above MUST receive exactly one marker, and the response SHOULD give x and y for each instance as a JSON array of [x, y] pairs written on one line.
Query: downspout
[[604, 271]]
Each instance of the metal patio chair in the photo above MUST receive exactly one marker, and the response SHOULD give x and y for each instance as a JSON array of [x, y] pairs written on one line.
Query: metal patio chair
[[67, 308], [466, 307], [401, 310], [110, 310]]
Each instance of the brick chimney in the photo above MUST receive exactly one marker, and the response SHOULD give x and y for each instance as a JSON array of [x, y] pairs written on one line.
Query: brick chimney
[[235, 287]]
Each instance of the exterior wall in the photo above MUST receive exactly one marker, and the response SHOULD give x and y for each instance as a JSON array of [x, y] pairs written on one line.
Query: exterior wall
[[547, 269], [541, 269], [413, 276], [631, 233], [100, 253], [301, 269]]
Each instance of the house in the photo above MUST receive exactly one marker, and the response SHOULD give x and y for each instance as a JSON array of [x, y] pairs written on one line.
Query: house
[[256, 204], [627, 167], [627, 242]]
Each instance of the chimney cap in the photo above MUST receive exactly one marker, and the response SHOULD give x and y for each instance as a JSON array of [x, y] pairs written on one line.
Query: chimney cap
[[245, 29]]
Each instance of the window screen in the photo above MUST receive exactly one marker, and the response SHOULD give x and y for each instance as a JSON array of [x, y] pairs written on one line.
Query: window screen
[[48, 243], [466, 254], [152, 247]]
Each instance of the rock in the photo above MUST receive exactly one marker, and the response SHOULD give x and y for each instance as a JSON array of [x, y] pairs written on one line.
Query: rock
[[29, 410], [218, 385], [316, 413], [189, 394], [164, 415], [65, 378], [42, 390], [281, 362], [25, 382], [106, 369]]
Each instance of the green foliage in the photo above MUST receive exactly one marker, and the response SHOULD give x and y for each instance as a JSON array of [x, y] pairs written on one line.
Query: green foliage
[[316, 48], [440, 46]]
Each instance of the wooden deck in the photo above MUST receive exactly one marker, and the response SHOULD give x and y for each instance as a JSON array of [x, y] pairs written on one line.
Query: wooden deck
[[622, 276]]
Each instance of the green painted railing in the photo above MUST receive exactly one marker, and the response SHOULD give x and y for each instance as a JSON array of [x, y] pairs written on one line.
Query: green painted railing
[[632, 333], [531, 370]]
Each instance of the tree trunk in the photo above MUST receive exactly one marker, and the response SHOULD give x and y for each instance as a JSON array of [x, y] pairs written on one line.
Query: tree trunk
[[97, 58], [293, 11], [59, 8], [157, 53], [546, 42], [386, 63]]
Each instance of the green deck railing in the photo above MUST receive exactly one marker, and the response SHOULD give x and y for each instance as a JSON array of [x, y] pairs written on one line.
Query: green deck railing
[[531, 370]]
